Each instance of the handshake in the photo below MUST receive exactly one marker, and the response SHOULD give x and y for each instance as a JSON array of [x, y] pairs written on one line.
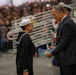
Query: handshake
[[48, 54]]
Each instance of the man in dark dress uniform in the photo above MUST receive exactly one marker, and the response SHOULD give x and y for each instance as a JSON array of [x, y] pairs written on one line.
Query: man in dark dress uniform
[[67, 9], [25, 49], [65, 51]]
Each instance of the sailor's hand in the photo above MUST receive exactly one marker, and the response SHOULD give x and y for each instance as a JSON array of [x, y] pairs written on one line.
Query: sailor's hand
[[25, 73], [36, 55]]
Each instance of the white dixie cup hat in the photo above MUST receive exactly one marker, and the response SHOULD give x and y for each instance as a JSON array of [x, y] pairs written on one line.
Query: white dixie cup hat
[[25, 22]]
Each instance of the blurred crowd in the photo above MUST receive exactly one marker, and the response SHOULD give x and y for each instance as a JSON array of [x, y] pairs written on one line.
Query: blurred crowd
[[11, 13]]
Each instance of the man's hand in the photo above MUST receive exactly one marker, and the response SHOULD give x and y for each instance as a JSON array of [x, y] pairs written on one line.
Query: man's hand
[[25, 73], [48, 54]]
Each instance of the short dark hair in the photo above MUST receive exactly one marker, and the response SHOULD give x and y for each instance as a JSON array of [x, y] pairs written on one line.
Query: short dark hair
[[23, 27]]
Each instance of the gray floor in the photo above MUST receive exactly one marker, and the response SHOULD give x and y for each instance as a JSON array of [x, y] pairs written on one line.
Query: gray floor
[[42, 65]]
